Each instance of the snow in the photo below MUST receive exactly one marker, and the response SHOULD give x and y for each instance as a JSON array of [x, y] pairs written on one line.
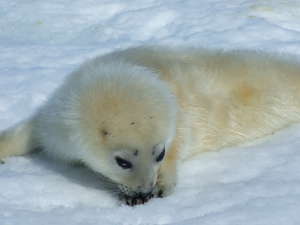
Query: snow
[[42, 41]]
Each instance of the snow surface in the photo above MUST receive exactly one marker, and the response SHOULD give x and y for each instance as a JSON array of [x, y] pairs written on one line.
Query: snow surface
[[42, 41]]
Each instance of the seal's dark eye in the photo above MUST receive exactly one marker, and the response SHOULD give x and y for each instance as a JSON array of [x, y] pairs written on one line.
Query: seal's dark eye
[[160, 156], [123, 163]]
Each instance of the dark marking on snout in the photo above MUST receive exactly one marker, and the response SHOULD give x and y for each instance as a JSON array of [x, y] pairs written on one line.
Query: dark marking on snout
[[136, 152], [137, 199]]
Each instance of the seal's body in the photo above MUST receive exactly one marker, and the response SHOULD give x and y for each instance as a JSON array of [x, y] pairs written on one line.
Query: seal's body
[[132, 115]]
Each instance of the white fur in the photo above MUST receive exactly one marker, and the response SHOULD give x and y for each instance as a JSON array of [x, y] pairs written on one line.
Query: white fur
[[189, 100]]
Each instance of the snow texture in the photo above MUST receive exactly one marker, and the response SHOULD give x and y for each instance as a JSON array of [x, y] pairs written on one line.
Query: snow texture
[[42, 41]]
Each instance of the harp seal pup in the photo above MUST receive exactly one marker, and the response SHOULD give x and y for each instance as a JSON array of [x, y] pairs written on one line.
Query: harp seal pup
[[133, 115]]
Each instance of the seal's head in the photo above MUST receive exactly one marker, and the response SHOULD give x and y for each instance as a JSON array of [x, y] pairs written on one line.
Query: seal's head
[[126, 122]]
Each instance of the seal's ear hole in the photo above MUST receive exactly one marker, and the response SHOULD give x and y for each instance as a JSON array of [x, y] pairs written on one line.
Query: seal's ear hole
[[104, 133], [123, 163], [161, 155]]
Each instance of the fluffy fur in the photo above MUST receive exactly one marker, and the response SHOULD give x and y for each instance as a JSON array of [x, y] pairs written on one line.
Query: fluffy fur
[[135, 103]]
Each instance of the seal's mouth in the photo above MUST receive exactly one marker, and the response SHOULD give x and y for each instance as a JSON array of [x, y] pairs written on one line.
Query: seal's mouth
[[136, 198], [132, 198], [124, 193]]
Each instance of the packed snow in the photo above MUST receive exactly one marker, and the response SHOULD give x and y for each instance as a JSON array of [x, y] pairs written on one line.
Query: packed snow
[[42, 41]]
